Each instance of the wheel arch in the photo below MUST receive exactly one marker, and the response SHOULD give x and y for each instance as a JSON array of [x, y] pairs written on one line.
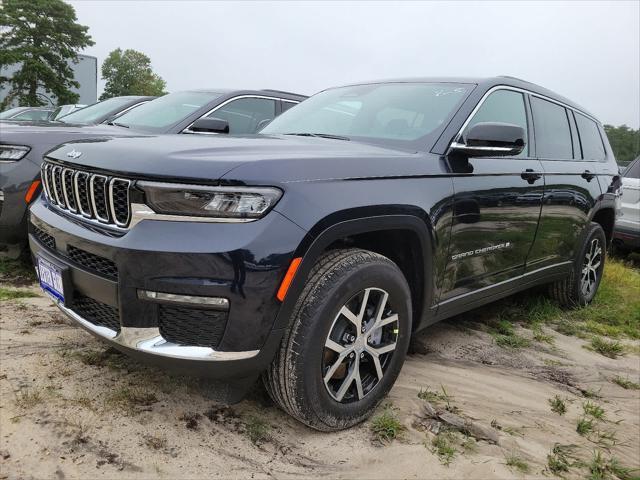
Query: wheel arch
[[360, 224]]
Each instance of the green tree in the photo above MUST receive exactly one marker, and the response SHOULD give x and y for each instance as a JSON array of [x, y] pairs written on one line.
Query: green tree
[[41, 36], [624, 141], [130, 73]]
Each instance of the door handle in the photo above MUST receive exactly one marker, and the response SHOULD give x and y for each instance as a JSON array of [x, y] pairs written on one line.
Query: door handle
[[530, 176], [587, 175]]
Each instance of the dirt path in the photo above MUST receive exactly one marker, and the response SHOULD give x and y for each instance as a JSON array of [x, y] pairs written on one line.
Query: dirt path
[[71, 408]]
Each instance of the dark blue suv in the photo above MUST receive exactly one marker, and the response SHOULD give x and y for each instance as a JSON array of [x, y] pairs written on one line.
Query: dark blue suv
[[310, 253]]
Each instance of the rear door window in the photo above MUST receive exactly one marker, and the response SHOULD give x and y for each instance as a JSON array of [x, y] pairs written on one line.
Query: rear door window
[[503, 106], [592, 146], [246, 115], [553, 135]]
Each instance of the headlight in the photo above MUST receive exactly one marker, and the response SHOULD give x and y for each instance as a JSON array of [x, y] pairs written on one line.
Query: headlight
[[215, 202], [12, 153]]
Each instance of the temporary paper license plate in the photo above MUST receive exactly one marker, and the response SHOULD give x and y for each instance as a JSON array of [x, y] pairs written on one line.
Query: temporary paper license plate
[[51, 279]]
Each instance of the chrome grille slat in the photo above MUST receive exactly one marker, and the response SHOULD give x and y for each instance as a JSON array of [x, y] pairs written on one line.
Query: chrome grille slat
[[95, 197]]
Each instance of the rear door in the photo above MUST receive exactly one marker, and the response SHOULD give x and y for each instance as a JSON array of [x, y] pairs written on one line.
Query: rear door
[[571, 184], [496, 206]]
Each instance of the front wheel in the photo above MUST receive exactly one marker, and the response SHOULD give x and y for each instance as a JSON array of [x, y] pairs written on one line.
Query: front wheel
[[346, 343], [579, 288]]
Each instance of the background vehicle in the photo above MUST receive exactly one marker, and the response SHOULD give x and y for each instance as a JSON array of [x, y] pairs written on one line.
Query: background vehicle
[[311, 253], [26, 113], [627, 232], [63, 110], [194, 112]]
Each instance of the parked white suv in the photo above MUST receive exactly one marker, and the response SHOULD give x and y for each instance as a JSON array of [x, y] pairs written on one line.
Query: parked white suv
[[627, 232]]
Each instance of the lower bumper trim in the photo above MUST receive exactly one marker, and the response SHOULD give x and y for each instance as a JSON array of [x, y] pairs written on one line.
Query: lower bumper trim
[[149, 341]]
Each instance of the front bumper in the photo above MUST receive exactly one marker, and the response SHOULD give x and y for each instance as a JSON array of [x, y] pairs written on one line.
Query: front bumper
[[243, 263]]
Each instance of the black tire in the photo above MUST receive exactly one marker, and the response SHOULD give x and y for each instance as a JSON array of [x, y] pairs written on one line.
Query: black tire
[[296, 379], [569, 291]]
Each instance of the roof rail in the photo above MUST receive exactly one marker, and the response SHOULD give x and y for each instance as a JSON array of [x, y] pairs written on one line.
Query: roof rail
[[513, 78], [282, 91]]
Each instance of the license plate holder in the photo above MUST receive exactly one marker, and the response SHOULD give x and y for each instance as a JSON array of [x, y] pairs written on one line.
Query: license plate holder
[[53, 279]]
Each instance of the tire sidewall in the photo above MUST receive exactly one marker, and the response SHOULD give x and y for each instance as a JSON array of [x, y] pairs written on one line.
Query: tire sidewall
[[377, 274]]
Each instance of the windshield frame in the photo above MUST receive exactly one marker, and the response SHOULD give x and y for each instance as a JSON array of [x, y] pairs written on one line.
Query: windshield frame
[[102, 117], [422, 143]]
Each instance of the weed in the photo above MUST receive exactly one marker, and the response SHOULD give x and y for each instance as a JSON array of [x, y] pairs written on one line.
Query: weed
[[607, 438], [155, 442], [18, 271], [558, 461], [514, 461], [28, 398], [443, 447], [593, 410], [130, 399], [590, 393], [611, 349], [620, 471], [12, 294], [625, 383], [557, 405], [469, 445], [436, 397], [584, 426], [597, 467], [258, 430], [511, 341], [386, 426]]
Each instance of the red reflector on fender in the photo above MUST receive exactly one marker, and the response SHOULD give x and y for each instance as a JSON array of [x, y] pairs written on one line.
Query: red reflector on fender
[[33, 188], [288, 278]]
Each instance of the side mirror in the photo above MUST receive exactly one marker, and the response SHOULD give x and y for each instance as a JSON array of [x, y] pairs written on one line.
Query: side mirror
[[210, 125], [491, 139], [263, 123]]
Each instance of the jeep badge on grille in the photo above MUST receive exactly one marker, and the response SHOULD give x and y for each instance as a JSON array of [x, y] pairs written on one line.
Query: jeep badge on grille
[[74, 154]]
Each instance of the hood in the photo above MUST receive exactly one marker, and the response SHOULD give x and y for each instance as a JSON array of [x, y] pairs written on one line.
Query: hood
[[261, 158], [50, 127]]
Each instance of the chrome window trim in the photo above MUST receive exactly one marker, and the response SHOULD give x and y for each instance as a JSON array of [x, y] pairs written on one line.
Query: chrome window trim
[[458, 135], [88, 214], [112, 206], [64, 190], [218, 107], [92, 182]]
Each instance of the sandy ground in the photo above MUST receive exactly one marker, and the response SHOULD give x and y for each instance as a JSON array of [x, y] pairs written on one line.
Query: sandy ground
[[72, 408]]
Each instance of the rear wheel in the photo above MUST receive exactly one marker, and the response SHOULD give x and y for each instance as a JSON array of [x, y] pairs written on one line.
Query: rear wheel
[[579, 288], [346, 343]]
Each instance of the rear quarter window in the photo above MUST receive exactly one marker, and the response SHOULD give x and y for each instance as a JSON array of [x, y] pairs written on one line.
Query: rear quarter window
[[592, 146]]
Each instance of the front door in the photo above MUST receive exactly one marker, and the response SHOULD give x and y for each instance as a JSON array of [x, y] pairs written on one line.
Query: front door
[[497, 206]]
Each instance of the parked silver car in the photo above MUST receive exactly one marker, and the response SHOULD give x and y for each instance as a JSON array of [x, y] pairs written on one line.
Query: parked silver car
[[627, 232]]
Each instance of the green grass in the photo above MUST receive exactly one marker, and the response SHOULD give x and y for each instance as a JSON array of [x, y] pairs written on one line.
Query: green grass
[[438, 398], [558, 405], [515, 462], [559, 460], [258, 430], [608, 348], [625, 383], [614, 312], [386, 427], [584, 426], [13, 294], [19, 271], [593, 410], [443, 446], [130, 399]]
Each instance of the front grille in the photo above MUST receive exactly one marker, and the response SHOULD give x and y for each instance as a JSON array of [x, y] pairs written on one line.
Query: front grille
[[94, 262], [88, 195], [96, 312], [192, 326], [44, 238]]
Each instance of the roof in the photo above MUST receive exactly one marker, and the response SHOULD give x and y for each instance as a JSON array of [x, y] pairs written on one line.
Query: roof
[[267, 91]]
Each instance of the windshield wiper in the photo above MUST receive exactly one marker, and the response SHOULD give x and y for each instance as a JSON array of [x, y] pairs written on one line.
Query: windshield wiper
[[118, 124], [320, 135]]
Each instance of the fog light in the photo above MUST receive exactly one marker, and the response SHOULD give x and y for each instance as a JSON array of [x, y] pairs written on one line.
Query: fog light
[[213, 302]]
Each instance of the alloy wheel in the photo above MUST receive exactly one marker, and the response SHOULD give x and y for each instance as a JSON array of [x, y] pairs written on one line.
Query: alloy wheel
[[590, 266], [360, 345]]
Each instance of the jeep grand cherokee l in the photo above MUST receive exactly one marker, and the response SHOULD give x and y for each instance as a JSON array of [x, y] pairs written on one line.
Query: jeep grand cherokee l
[[311, 253], [190, 112]]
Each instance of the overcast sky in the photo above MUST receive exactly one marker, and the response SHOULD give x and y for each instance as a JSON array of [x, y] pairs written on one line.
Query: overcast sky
[[588, 52]]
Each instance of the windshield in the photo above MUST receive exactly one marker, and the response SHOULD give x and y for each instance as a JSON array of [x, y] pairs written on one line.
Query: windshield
[[10, 112], [390, 111], [96, 112], [163, 112]]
